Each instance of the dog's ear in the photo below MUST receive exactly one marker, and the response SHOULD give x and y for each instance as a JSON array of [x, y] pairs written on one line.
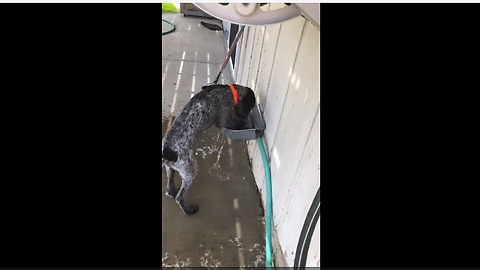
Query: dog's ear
[[244, 92], [246, 103]]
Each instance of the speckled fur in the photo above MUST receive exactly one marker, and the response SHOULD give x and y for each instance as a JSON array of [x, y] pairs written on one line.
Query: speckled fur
[[213, 105]]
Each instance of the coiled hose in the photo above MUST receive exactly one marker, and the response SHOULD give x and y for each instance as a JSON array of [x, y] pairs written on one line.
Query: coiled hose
[[170, 30], [268, 210]]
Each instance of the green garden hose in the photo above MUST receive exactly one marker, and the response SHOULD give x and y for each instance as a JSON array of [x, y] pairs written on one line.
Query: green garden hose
[[170, 30], [268, 210]]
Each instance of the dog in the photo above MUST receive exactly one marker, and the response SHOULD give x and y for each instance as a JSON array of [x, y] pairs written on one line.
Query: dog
[[226, 106]]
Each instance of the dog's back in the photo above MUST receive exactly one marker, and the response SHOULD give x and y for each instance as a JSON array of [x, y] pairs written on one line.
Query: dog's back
[[198, 115]]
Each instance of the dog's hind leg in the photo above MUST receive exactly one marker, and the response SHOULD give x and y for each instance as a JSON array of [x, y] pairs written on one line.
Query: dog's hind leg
[[171, 191], [181, 196], [187, 178]]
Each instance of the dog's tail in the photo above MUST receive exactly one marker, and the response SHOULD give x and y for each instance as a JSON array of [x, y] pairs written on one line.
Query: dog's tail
[[169, 155]]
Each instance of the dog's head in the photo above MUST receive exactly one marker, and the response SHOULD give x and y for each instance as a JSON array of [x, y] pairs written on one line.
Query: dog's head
[[245, 100]]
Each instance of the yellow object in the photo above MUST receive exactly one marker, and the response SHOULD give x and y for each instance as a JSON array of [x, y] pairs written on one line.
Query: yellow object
[[169, 7]]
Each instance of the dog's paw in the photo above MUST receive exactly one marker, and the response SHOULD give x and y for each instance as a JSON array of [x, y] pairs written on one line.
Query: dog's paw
[[190, 210], [171, 194]]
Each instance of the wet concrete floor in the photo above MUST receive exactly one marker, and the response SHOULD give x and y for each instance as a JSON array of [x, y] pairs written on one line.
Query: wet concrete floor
[[228, 230]]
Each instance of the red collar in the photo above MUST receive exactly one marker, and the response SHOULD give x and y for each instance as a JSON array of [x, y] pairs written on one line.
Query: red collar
[[234, 93]]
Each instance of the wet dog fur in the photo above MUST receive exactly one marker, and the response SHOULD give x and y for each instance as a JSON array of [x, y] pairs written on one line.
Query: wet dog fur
[[213, 105]]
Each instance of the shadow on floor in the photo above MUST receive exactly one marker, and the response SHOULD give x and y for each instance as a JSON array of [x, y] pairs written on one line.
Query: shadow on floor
[[229, 226]]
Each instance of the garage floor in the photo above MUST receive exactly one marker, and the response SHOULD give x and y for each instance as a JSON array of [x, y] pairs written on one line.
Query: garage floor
[[228, 230]]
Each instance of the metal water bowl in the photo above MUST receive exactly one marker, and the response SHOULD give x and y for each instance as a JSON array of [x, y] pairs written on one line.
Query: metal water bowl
[[256, 126]]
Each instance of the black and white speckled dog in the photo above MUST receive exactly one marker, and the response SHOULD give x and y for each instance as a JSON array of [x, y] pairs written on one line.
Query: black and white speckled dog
[[222, 105]]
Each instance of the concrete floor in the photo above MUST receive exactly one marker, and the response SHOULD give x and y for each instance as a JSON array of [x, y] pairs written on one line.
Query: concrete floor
[[228, 230]]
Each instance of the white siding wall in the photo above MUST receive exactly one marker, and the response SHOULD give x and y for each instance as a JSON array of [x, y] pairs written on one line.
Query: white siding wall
[[281, 63]]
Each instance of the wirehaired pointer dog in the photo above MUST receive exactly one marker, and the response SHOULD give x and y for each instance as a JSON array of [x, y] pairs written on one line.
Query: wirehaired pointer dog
[[223, 105]]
